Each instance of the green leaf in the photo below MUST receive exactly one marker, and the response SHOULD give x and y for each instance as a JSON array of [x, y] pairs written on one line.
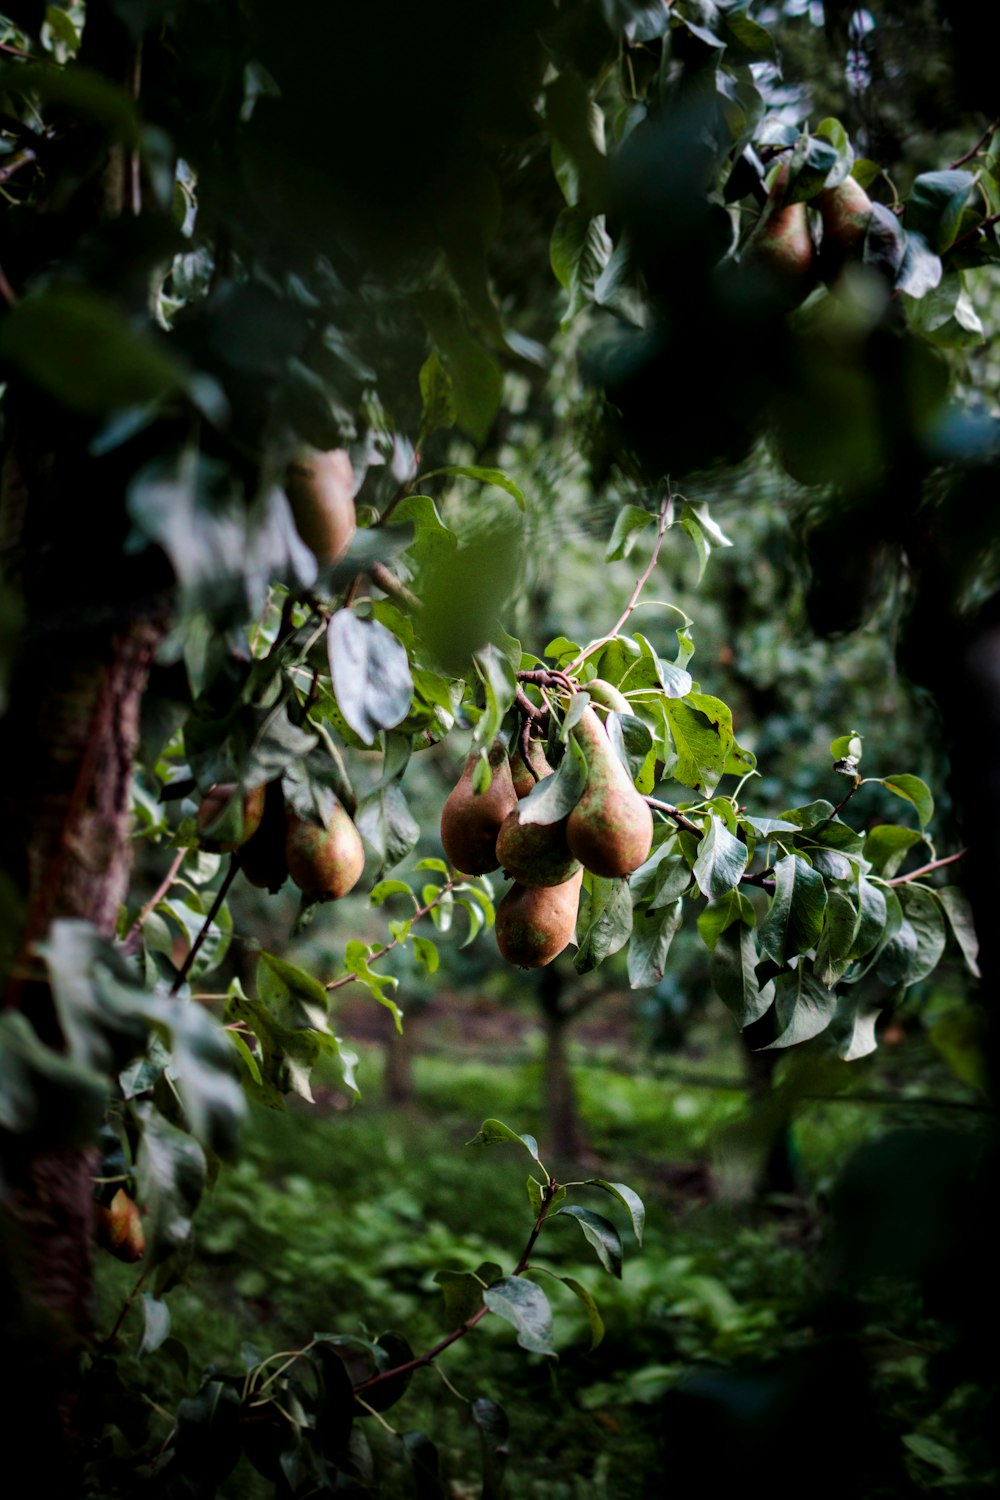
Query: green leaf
[[425, 1465], [437, 397], [43, 1094], [370, 674], [590, 1307], [500, 685], [701, 740], [661, 880], [794, 918], [629, 522], [601, 1234], [872, 918], [170, 1177], [721, 860], [356, 956], [78, 346], [887, 846], [835, 949], [859, 1040], [82, 91], [604, 923], [494, 1429], [959, 914], [476, 379], [935, 205], [847, 747], [496, 1133], [653, 932], [720, 914], [628, 1198], [554, 797], [387, 888], [803, 1007], [155, 1324], [914, 790], [426, 952], [525, 1306], [925, 915], [495, 477], [733, 974], [431, 536], [386, 824], [463, 1291]]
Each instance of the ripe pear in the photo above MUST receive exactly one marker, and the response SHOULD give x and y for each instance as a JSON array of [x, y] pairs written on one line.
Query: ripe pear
[[534, 926], [535, 854], [610, 830], [118, 1226], [521, 775], [262, 857], [325, 863], [781, 246], [320, 490], [846, 212], [214, 803], [470, 823]]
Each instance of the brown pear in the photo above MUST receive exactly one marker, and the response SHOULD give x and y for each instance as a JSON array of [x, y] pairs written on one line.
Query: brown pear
[[521, 774], [781, 246], [262, 858], [325, 863], [534, 926], [610, 830], [320, 490], [846, 212], [216, 802], [535, 854], [118, 1226], [470, 822]]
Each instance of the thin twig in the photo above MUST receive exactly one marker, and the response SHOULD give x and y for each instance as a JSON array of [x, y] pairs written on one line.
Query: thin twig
[[640, 584], [124, 1309], [16, 162], [675, 813], [935, 864], [977, 147], [396, 590], [132, 936], [7, 292], [422, 911], [213, 912], [970, 234], [421, 1360]]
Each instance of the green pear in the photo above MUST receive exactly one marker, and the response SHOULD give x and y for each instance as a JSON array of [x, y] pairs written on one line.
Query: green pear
[[610, 830], [781, 246], [320, 490], [846, 212]]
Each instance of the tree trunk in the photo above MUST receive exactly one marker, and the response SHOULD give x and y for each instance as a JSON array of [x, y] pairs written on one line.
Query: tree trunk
[[562, 1118], [71, 733]]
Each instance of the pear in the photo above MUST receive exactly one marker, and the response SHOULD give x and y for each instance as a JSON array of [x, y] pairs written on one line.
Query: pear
[[846, 212], [535, 854], [262, 857], [610, 830], [118, 1226], [215, 804], [781, 246], [320, 490], [325, 863], [470, 823], [524, 781], [534, 926], [606, 696]]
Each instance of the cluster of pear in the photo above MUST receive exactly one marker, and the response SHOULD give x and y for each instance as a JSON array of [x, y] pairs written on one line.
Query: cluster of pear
[[608, 832], [781, 244], [273, 842]]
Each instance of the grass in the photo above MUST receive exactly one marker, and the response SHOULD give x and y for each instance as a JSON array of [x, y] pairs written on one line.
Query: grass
[[337, 1220]]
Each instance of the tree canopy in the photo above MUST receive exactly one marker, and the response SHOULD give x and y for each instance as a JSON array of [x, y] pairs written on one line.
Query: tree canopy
[[288, 295]]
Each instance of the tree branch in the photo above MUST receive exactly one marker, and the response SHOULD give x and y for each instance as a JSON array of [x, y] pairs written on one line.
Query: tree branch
[[213, 912], [961, 160], [422, 911], [421, 1360], [640, 584], [675, 813], [131, 941], [935, 864]]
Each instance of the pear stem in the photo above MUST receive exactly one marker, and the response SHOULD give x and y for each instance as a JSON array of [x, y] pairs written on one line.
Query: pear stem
[[640, 584]]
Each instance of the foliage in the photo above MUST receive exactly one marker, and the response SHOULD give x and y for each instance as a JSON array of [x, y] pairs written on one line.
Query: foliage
[[197, 286]]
